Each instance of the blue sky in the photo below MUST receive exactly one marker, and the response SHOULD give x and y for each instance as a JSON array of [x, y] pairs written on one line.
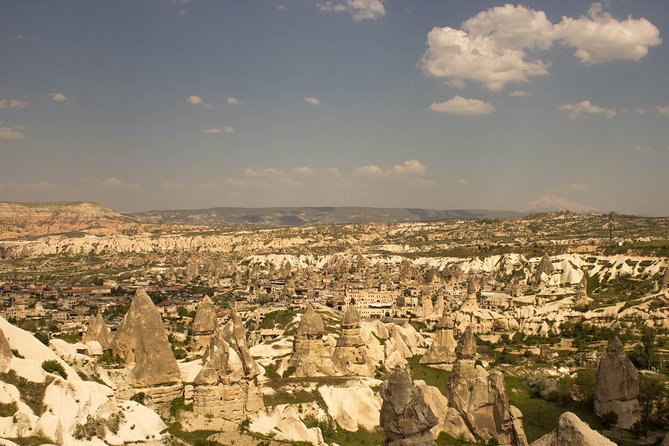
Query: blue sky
[[159, 104]]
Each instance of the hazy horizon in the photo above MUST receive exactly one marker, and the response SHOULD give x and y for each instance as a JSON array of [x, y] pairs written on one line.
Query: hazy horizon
[[192, 104]]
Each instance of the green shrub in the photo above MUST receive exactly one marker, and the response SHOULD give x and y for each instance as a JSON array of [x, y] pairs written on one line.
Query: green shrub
[[138, 398], [8, 409], [110, 360], [53, 366], [609, 419], [180, 353]]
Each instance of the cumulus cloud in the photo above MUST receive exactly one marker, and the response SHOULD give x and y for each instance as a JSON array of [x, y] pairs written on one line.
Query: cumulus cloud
[[600, 38], [368, 170], [39, 185], [12, 103], [583, 108], [116, 183], [199, 101], [11, 133], [59, 97], [500, 45], [461, 181], [642, 148], [234, 101], [359, 9], [520, 93], [304, 170], [409, 167], [463, 106], [228, 130], [512, 26], [211, 131], [312, 100]]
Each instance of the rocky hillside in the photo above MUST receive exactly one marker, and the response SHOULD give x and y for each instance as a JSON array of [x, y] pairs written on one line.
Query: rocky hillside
[[35, 219]]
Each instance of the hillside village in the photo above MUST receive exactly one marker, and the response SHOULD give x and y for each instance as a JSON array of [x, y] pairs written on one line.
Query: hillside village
[[459, 332]]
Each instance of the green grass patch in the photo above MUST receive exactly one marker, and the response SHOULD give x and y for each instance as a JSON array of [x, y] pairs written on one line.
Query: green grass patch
[[362, 437], [31, 393], [432, 377], [195, 438], [541, 416]]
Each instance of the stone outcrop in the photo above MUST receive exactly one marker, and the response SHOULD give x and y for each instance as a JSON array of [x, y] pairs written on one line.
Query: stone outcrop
[[235, 336], [571, 431], [442, 349], [310, 356], [5, 352], [351, 356], [97, 331], [617, 385], [406, 418], [223, 389], [544, 270], [204, 325], [480, 398], [141, 341]]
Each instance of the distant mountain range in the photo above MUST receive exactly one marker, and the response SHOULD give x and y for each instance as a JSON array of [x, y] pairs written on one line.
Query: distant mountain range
[[33, 219], [299, 216], [553, 203]]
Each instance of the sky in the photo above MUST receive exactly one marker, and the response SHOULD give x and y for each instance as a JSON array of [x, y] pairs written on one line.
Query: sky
[[185, 104]]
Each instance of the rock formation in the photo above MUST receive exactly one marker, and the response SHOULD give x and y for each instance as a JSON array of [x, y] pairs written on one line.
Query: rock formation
[[571, 431], [97, 331], [617, 385], [405, 418], [545, 268], [351, 356], [235, 336], [442, 349], [5, 352], [141, 341], [204, 325], [223, 389], [480, 398], [664, 284], [310, 356]]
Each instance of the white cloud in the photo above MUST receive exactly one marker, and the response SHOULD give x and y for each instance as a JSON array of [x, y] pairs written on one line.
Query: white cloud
[[458, 56], [11, 133], [303, 170], [312, 100], [500, 45], [12, 103], [199, 101], [409, 167], [234, 101], [59, 97], [368, 170], [462, 106], [520, 93], [280, 7], [262, 172], [116, 183], [512, 26], [40, 185], [662, 111], [600, 38], [461, 181], [583, 108], [359, 9], [642, 148], [216, 131]]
